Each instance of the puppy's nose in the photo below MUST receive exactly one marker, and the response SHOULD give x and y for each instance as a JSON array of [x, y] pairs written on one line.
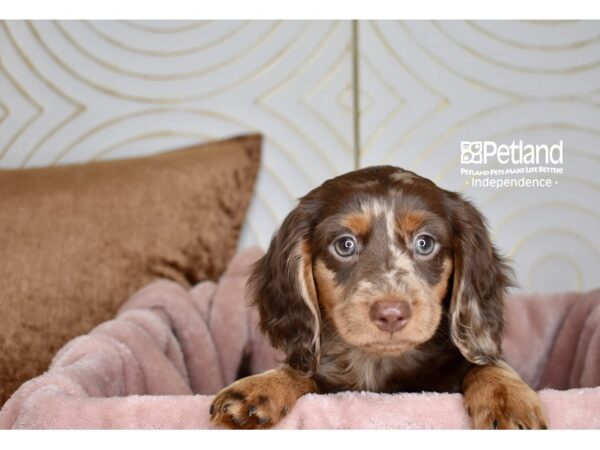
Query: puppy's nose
[[390, 316]]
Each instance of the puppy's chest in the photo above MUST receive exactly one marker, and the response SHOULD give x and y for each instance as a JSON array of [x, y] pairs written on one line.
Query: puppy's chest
[[354, 370]]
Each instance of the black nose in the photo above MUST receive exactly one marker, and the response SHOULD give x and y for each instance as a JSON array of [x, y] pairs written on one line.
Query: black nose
[[390, 315]]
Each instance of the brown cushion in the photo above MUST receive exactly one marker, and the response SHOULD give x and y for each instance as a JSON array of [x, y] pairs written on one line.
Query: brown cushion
[[76, 241]]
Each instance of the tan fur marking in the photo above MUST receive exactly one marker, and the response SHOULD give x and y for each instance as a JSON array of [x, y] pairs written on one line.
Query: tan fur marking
[[410, 222], [441, 287], [358, 223], [309, 292], [328, 292], [496, 397], [259, 401]]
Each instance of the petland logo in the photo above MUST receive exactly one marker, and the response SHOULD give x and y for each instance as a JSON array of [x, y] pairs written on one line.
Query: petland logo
[[517, 153]]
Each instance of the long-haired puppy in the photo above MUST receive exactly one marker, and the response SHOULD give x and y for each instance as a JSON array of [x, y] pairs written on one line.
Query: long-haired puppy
[[381, 281]]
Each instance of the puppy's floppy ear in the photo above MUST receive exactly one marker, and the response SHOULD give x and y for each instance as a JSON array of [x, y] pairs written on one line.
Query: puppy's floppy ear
[[481, 277], [283, 288]]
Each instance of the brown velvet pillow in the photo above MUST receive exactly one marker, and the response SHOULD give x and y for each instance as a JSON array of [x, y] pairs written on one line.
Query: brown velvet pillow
[[76, 241]]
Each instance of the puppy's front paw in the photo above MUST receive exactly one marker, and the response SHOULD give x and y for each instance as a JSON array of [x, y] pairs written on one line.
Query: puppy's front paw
[[258, 401], [503, 401]]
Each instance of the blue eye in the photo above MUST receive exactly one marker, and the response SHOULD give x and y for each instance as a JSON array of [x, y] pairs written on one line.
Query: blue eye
[[345, 246], [424, 244]]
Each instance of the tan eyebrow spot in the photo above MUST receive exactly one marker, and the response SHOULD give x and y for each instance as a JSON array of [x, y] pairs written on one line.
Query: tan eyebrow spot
[[409, 222], [359, 223]]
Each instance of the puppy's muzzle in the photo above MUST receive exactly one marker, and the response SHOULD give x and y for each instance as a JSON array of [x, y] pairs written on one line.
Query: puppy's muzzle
[[390, 315]]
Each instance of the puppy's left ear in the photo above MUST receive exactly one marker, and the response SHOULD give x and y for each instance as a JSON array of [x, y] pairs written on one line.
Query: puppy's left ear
[[481, 277]]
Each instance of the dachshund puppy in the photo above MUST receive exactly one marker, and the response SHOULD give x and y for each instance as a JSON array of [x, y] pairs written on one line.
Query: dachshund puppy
[[381, 281]]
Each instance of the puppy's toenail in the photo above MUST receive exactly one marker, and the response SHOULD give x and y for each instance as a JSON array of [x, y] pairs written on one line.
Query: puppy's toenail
[[251, 410], [495, 425], [262, 420]]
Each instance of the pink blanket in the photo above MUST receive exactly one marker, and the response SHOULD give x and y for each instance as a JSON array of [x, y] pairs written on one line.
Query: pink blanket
[[142, 369]]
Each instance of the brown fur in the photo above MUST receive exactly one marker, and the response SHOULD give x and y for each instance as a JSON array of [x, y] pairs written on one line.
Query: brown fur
[[315, 304], [246, 403], [359, 224], [496, 397], [410, 222]]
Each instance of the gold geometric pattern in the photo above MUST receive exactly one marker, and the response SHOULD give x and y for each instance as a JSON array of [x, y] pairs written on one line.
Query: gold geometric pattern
[[502, 81], [74, 91]]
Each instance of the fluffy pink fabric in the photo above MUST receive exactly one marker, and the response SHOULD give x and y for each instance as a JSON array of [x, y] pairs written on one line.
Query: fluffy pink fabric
[[142, 369]]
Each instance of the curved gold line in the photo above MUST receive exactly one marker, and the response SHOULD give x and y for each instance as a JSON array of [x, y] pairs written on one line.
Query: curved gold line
[[5, 109], [154, 77], [552, 203], [295, 73], [157, 110], [548, 256], [546, 125], [386, 121], [261, 99], [556, 230], [292, 126], [443, 101], [26, 124], [257, 73], [18, 134], [305, 99], [525, 69], [521, 45], [38, 73], [466, 121], [387, 157], [347, 92], [144, 137], [78, 107], [273, 174], [267, 206], [550, 22], [418, 78], [191, 26], [365, 105], [506, 191], [118, 119], [469, 80], [174, 100], [114, 93], [172, 53], [584, 154], [49, 134]]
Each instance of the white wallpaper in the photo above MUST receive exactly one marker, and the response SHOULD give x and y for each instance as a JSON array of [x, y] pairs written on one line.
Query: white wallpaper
[[73, 91], [443, 82]]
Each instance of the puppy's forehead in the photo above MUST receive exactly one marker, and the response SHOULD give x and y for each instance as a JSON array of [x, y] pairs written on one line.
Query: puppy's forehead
[[356, 199], [370, 190]]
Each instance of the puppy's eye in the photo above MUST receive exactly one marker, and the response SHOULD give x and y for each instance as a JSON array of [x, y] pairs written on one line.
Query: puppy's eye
[[424, 244], [345, 246]]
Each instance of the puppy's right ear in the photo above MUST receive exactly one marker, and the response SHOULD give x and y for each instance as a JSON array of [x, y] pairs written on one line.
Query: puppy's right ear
[[283, 288]]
